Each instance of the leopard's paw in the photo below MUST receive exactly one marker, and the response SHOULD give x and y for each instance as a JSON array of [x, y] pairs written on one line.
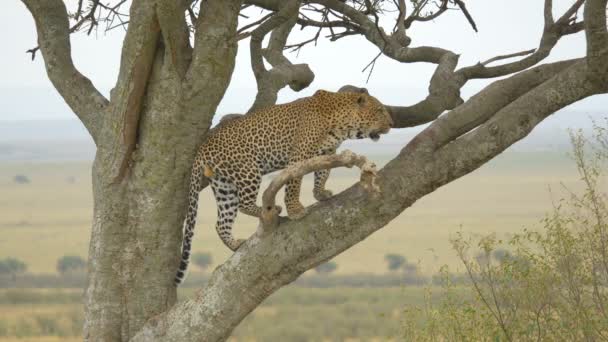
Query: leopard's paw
[[323, 195], [297, 213]]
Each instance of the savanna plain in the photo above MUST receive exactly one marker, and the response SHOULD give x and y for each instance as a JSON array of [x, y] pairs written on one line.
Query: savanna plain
[[49, 216]]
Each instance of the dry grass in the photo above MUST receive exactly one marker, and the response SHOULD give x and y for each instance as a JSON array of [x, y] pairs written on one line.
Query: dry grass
[[41, 339], [50, 217]]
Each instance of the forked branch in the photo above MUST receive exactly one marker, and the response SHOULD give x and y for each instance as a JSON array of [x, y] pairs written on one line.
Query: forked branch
[[283, 72]]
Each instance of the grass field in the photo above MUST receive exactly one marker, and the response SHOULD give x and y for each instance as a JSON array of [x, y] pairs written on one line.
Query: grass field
[[291, 314], [50, 217]]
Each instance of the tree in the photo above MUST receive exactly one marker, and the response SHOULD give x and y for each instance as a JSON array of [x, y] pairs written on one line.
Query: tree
[[326, 267], [394, 261], [501, 254], [21, 179], [70, 263], [202, 260], [167, 93], [12, 267]]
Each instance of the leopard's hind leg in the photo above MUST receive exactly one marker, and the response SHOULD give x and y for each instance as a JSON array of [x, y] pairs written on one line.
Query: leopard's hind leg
[[247, 192], [227, 199]]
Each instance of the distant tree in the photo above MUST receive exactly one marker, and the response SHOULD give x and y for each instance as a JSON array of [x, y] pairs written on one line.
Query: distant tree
[[202, 260], [21, 179], [326, 268], [395, 261], [12, 267], [70, 263]]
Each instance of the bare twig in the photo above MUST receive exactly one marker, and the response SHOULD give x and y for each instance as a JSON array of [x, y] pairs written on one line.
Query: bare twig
[[33, 51], [371, 65], [466, 13], [241, 34], [416, 17]]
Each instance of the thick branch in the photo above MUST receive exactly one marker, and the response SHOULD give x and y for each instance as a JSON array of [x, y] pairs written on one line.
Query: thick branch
[[517, 119], [138, 53], [53, 38], [481, 107], [175, 34], [597, 40], [283, 73], [444, 94], [346, 158], [215, 40]]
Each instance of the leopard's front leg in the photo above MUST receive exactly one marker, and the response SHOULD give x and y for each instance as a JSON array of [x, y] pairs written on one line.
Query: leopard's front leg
[[319, 191], [295, 209]]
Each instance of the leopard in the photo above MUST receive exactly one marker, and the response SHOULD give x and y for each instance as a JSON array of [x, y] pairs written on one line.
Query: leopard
[[238, 152]]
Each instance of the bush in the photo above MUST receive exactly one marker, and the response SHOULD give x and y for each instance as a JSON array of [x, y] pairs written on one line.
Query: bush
[[553, 286], [70, 264], [202, 260], [395, 261], [326, 268], [12, 267]]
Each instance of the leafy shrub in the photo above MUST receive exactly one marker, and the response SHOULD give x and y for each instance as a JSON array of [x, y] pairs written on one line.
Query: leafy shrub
[[202, 260], [553, 286], [12, 267], [71, 263], [326, 268]]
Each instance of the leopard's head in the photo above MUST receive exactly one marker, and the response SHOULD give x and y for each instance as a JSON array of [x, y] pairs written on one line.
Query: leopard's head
[[358, 115]]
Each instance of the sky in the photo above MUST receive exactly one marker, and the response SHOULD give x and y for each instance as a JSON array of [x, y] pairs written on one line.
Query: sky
[[505, 26]]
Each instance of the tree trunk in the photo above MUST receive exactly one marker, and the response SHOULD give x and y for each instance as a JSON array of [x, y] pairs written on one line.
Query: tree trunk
[[138, 213]]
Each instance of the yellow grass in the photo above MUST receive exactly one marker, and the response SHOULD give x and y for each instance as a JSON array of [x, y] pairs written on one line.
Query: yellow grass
[[50, 217]]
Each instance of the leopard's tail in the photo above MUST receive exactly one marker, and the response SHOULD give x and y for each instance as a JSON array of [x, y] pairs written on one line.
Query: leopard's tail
[[196, 185]]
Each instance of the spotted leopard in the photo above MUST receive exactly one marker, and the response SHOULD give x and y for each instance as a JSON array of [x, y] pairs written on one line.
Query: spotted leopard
[[238, 152]]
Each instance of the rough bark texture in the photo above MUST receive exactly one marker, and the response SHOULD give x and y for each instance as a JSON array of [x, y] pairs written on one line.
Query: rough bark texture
[[162, 106]]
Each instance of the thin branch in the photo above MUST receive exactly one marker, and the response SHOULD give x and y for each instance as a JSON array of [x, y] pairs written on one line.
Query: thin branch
[[516, 54], [552, 33], [241, 32], [416, 17], [371, 64]]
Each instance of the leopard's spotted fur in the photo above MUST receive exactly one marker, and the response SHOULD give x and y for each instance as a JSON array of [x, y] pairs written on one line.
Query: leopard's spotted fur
[[237, 153]]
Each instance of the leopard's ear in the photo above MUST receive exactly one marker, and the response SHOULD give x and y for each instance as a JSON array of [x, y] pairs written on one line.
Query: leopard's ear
[[353, 89], [321, 92], [361, 100]]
